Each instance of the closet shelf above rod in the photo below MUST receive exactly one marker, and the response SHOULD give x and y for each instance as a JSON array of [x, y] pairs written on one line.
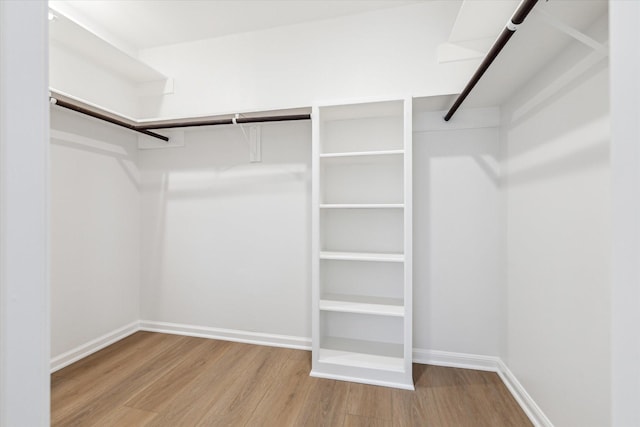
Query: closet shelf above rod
[[145, 127]]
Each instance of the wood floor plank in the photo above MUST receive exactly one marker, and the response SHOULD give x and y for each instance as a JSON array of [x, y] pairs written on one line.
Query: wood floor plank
[[56, 382], [156, 395], [496, 407], [369, 401], [325, 404], [282, 403], [416, 408], [351, 420], [300, 355], [103, 371], [116, 388], [473, 398], [236, 406], [454, 406], [439, 376], [187, 407], [124, 416], [151, 379]]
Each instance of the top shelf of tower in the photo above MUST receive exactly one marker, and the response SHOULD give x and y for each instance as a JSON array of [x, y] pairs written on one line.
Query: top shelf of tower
[[358, 129], [362, 111]]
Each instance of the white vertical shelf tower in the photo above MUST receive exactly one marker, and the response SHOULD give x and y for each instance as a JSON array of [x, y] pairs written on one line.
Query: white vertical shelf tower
[[361, 243]]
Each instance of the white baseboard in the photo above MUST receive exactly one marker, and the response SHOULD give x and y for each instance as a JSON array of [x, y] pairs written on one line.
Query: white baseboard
[[92, 346], [528, 405], [486, 363], [456, 360], [259, 338]]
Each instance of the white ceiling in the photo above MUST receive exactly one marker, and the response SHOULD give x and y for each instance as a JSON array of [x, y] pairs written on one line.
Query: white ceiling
[[131, 25], [144, 24], [532, 47]]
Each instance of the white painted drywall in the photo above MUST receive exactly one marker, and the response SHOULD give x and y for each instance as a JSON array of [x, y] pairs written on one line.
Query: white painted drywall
[[225, 242], [24, 215], [95, 229], [556, 137], [384, 53], [625, 158], [71, 73], [459, 293]]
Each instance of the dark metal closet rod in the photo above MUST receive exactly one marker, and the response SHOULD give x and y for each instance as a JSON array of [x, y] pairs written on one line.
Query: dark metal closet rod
[[88, 112], [215, 122], [518, 18], [144, 128]]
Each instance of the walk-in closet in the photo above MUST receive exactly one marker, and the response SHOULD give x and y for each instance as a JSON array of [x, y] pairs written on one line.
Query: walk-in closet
[[310, 212]]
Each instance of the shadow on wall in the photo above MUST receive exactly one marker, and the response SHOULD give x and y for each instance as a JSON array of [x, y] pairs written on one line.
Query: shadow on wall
[[240, 179], [457, 247], [567, 81], [76, 131], [101, 148], [568, 142], [592, 154], [226, 241], [475, 144]]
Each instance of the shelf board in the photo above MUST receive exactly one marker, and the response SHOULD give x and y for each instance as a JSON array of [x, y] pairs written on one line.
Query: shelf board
[[362, 206], [362, 153], [365, 110], [362, 305], [70, 33], [361, 354], [362, 256]]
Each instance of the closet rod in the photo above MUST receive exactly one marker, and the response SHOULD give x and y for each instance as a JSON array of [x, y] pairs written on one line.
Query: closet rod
[[88, 112], [215, 122], [145, 128], [518, 18]]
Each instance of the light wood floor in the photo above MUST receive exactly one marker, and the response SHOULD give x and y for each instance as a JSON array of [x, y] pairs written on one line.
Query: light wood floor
[[151, 379]]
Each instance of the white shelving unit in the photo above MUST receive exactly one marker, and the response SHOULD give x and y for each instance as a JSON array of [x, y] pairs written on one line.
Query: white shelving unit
[[361, 245]]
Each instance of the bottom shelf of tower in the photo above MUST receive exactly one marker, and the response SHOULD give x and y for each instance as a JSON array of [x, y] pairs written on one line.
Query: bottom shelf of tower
[[366, 362]]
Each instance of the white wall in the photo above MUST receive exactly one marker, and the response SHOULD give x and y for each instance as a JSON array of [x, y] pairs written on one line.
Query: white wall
[[459, 291], [95, 229], [382, 53], [24, 208], [559, 239], [73, 74], [625, 159], [225, 241]]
